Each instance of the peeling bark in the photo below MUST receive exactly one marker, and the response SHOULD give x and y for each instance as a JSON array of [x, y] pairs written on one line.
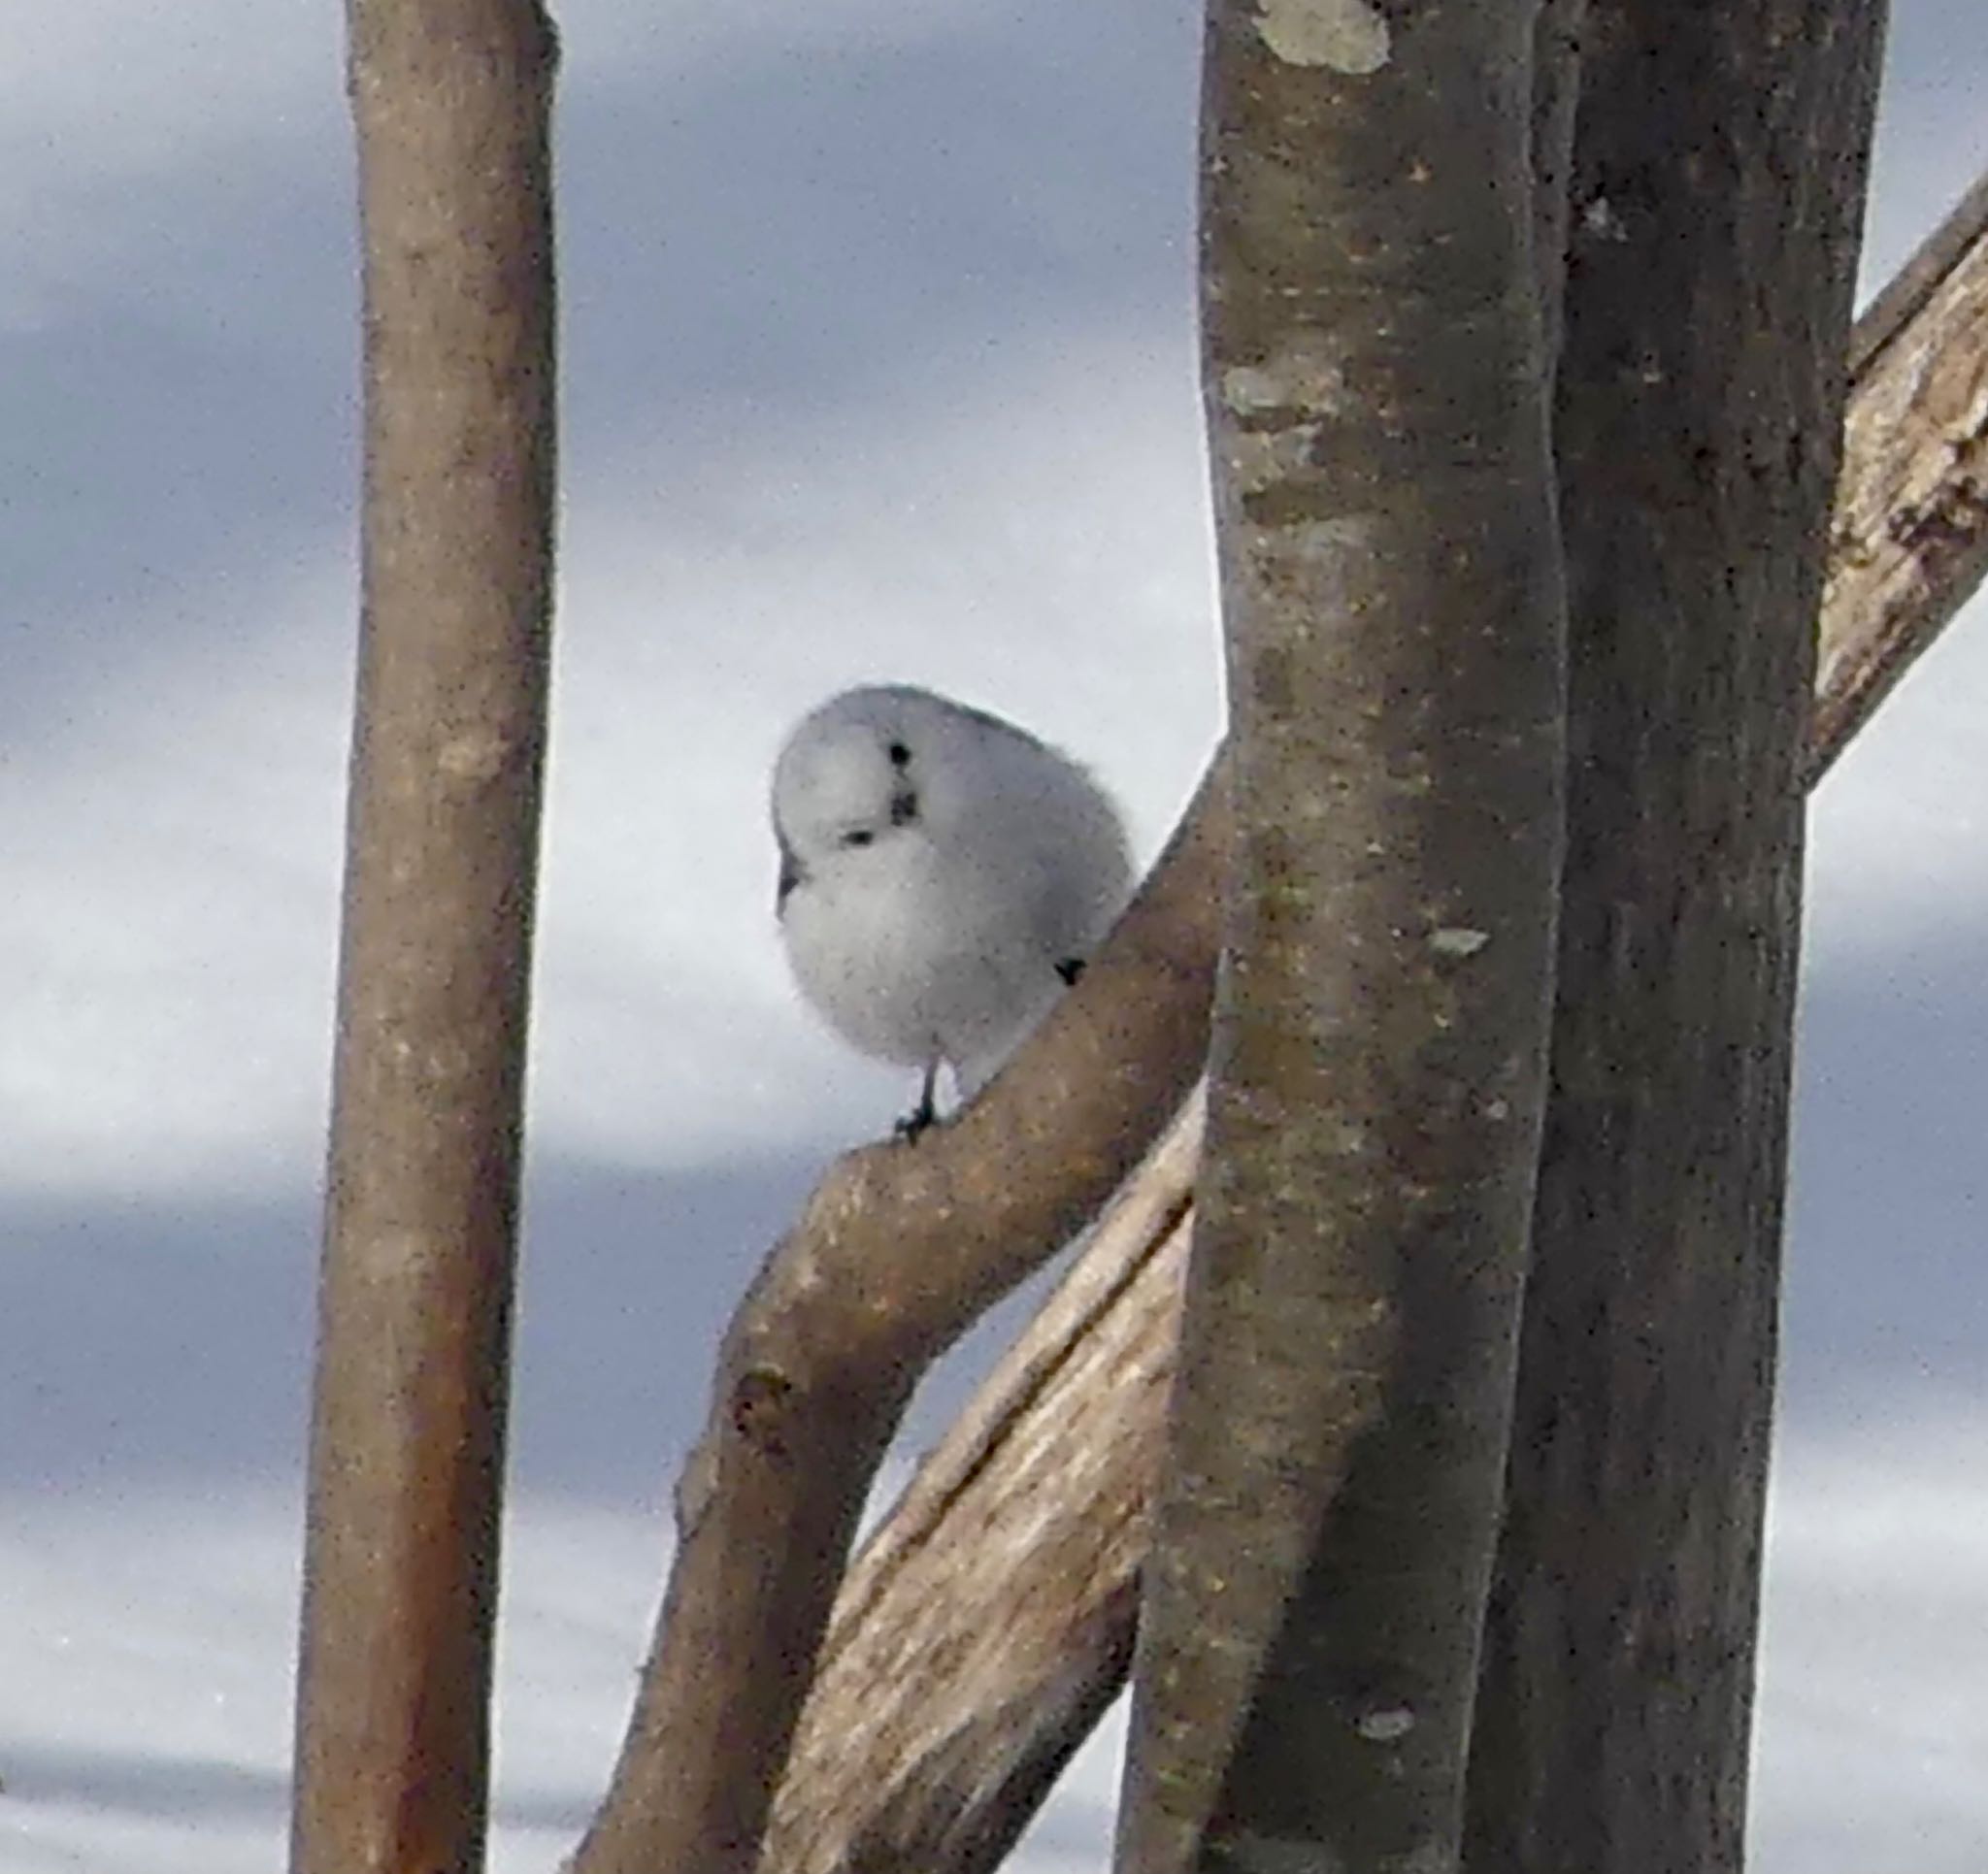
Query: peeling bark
[[1910, 539]]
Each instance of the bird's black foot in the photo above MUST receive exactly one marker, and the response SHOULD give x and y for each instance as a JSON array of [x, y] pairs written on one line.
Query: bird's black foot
[[925, 1114], [1070, 969]]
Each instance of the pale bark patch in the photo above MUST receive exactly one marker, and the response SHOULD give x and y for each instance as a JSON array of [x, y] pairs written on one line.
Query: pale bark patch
[[1348, 36]]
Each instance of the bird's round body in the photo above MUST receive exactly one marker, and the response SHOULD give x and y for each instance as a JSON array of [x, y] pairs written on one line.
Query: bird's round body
[[943, 874]]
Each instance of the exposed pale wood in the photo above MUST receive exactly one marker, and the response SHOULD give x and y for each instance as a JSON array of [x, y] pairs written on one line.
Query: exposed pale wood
[[1908, 542], [1073, 1412], [452, 100]]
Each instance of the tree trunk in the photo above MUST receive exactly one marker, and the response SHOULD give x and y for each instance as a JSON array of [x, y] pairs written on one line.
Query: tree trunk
[[1718, 187], [1377, 386], [400, 1577]]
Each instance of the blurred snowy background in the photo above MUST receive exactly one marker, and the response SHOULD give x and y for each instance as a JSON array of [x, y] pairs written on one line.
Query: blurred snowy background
[[878, 363]]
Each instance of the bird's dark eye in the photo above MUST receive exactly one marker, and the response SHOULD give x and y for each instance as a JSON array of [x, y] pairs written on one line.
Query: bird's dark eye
[[900, 755], [861, 836]]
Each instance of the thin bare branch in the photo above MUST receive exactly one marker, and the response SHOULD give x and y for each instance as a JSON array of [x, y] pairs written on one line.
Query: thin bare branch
[[451, 101]]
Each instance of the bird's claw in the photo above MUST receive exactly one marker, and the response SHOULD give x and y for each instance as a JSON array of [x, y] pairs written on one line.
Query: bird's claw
[[915, 1124], [925, 1114]]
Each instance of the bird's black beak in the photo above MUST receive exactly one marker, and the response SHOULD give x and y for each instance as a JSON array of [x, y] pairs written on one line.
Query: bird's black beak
[[791, 875]]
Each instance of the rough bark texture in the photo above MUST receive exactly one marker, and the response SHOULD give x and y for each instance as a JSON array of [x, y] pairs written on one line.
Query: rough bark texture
[[451, 100], [1909, 540], [1556, 95], [899, 1249], [1377, 389], [1718, 187], [888, 1749]]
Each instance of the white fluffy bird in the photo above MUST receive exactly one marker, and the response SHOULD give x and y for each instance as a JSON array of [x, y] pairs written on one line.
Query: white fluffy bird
[[944, 875]]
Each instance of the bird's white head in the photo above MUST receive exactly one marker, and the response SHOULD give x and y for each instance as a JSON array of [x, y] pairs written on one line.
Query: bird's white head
[[868, 763]]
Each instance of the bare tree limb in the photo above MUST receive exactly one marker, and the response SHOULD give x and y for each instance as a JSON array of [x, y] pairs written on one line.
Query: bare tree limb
[[899, 1250], [451, 100], [924, 1741], [1910, 538]]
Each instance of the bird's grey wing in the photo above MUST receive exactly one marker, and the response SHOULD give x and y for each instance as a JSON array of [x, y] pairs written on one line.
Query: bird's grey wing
[[999, 725]]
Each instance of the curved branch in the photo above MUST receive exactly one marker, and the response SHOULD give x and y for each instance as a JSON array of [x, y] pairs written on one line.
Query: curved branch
[[899, 1250], [943, 1770]]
